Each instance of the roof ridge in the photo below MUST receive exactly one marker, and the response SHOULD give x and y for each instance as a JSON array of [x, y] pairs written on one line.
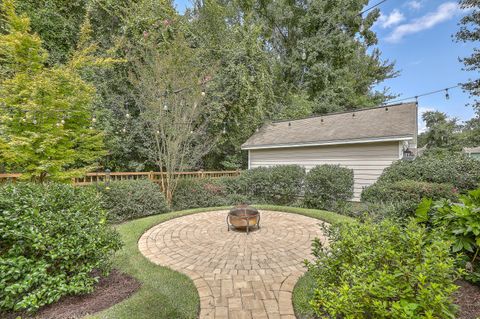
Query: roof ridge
[[346, 112]]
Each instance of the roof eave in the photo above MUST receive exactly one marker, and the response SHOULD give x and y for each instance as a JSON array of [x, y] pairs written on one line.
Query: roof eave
[[333, 142]]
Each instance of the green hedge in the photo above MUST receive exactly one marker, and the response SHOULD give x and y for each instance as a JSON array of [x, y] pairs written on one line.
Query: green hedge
[[131, 199], [406, 194], [279, 185], [381, 270], [459, 170], [328, 187], [53, 239]]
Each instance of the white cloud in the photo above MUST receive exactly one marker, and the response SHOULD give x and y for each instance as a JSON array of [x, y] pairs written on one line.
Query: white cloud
[[421, 124], [392, 19], [443, 13], [414, 4]]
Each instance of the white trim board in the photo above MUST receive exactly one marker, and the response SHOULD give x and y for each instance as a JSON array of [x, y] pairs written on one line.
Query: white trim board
[[341, 142]]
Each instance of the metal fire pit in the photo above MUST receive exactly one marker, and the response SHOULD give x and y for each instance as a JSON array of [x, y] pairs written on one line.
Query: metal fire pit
[[243, 217]]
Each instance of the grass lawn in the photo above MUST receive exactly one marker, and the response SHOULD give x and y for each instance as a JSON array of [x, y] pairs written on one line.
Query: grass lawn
[[166, 293]]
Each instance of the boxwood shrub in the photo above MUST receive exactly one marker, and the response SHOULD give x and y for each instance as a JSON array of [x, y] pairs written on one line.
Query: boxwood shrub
[[131, 199], [382, 270], [328, 187], [53, 240], [406, 194], [195, 193], [459, 170], [279, 185]]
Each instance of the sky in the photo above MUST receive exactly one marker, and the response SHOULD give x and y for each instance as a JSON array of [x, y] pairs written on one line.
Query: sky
[[417, 35]]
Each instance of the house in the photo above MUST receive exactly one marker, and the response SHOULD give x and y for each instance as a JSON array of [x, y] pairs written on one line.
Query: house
[[365, 140], [472, 152]]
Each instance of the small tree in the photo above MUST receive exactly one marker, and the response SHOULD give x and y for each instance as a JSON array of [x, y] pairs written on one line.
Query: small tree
[[169, 87], [46, 112]]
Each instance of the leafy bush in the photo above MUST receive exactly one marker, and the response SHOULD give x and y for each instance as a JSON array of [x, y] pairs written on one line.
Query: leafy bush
[[406, 194], [279, 185], [53, 238], [461, 171], [382, 270], [460, 224], [328, 187], [130, 199], [195, 193]]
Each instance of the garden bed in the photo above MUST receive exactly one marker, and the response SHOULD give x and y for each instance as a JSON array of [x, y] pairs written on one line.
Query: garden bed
[[110, 290]]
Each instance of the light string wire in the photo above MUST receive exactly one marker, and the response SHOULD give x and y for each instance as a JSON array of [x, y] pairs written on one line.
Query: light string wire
[[416, 97]]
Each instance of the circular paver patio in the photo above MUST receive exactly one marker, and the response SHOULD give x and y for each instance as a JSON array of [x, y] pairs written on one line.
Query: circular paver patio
[[237, 275]]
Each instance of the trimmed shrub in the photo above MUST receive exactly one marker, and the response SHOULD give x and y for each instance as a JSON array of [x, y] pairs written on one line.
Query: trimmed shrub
[[459, 223], [459, 170], [279, 185], [54, 238], [131, 199], [382, 270], [328, 187], [195, 193], [406, 194]]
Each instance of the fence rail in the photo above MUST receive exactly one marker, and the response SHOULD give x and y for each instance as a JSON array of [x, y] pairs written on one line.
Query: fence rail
[[92, 178]]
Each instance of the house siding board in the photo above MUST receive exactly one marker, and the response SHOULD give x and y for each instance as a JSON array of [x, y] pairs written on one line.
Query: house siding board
[[367, 160]]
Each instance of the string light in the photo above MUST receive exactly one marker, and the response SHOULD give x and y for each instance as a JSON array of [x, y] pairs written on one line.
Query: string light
[[304, 55], [224, 131], [94, 119], [416, 97], [447, 95], [127, 115], [165, 107]]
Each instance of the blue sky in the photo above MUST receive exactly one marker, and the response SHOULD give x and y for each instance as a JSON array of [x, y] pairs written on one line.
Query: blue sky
[[417, 34]]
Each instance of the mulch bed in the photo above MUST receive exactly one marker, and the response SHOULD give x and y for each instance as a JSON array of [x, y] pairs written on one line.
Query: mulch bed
[[468, 298], [109, 291]]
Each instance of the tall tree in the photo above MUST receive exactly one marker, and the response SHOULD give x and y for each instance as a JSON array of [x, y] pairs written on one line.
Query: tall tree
[[442, 132], [45, 111], [168, 83], [470, 32]]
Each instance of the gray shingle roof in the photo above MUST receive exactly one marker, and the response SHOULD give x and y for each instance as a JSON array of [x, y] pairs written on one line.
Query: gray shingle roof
[[395, 122]]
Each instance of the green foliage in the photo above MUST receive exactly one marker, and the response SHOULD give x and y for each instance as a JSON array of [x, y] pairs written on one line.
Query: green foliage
[[456, 169], [460, 224], [469, 33], [382, 270], [328, 187], [406, 195], [46, 112], [53, 240], [442, 132], [131, 199], [278, 185], [196, 193]]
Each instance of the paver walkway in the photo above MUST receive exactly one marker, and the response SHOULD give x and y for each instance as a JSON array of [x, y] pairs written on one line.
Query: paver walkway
[[237, 275]]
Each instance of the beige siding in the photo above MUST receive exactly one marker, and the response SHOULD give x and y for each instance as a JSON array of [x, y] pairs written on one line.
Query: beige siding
[[367, 160]]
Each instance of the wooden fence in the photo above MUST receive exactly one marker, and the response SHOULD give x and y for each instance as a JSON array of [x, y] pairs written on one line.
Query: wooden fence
[[92, 178]]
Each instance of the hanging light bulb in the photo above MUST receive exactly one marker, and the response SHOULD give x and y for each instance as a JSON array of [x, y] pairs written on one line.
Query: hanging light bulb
[[224, 131], [91, 127], [124, 130], [62, 121], [203, 92], [304, 55], [58, 124], [94, 119], [191, 132], [34, 121], [127, 115], [165, 107], [158, 132], [447, 95]]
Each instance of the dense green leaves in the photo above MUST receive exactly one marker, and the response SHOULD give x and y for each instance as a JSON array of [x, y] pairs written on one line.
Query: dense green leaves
[[129, 199], [45, 112], [382, 270], [54, 239], [460, 224], [328, 187]]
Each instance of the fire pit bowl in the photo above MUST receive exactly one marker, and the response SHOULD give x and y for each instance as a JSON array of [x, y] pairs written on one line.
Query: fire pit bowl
[[243, 217]]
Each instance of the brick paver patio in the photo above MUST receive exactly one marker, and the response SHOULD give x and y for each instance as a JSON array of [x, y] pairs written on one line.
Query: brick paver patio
[[237, 275]]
